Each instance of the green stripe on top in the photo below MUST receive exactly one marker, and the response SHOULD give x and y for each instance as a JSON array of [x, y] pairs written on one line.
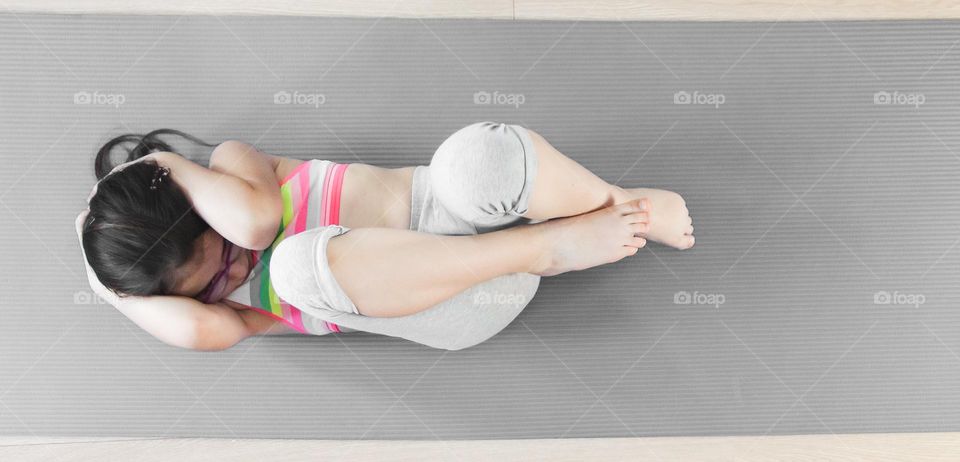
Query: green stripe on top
[[266, 289], [287, 209], [268, 297]]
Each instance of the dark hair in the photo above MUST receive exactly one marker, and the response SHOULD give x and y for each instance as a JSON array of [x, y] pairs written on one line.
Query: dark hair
[[135, 237]]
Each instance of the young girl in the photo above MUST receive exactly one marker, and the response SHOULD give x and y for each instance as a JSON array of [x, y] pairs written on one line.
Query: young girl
[[445, 255]]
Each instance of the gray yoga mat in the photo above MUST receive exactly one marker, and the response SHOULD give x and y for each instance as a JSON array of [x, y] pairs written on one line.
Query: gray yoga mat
[[819, 160]]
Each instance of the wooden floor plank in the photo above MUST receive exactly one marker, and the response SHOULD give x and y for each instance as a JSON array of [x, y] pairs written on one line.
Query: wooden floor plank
[[657, 10], [496, 9], [874, 448], [736, 10]]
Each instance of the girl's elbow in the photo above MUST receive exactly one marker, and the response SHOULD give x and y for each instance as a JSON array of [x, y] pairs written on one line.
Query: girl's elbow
[[256, 232], [205, 334], [263, 227], [260, 239]]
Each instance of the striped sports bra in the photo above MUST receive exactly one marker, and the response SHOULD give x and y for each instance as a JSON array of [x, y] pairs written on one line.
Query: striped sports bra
[[311, 198]]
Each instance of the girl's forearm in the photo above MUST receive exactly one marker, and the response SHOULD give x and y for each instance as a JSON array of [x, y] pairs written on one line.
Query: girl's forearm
[[261, 324], [236, 209], [258, 323]]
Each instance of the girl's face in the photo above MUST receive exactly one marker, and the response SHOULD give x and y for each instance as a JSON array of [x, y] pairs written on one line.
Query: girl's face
[[216, 268]]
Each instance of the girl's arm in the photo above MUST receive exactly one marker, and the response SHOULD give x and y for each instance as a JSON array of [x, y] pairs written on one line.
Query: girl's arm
[[182, 321], [238, 195], [188, 323], [257, 322], [185, 322]]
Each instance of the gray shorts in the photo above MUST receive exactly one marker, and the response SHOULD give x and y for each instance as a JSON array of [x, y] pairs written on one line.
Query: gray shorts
[[479, 180]]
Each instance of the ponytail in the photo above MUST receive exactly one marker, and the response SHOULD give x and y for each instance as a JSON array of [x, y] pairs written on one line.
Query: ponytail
[[144, 144]]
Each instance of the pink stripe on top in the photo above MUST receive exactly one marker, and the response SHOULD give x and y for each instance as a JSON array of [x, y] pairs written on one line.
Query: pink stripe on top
[[296, 170], [333, 193], [330, 209]]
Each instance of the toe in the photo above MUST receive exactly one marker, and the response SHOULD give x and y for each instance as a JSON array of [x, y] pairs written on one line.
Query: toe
[[643, 203], [636, 205], [637, 217], [634, 242], [639, 228], [682, 242]]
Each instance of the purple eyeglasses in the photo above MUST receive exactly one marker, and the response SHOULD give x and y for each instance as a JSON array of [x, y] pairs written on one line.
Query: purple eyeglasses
[[214, 290]]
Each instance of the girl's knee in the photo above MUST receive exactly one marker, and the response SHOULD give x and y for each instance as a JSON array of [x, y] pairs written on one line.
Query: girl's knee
[[300, 273], [484, 170]]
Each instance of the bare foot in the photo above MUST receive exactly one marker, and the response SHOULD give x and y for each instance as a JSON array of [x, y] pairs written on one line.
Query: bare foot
[[596, 238], [670, 222]]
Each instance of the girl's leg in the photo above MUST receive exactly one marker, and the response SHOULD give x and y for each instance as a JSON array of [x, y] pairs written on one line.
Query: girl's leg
[[392, 272], [487, 171], [565, 188]]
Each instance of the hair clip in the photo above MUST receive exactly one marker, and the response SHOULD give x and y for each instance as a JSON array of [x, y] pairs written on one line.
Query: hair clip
[[158, 175]]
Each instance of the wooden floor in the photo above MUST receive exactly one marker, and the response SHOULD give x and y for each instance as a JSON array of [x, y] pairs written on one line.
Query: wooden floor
[[872, 447], [660, 10]]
